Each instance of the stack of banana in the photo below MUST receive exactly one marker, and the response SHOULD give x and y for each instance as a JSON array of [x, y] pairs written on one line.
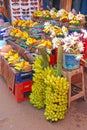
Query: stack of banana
[[23, 66], [70, 17], [45, 43], [52, 14], [30, 41], [48, 28], [17, 62], [18, 34], [23, 23]]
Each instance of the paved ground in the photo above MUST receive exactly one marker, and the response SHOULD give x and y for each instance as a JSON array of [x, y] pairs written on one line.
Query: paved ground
[[23, 116]]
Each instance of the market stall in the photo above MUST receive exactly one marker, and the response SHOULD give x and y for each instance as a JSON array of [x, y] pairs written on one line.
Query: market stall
[[35, 63]]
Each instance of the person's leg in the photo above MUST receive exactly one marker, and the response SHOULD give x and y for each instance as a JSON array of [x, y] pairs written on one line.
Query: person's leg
[[76, 4], [84, 7], [45, 4], [50, 4], [56, 4]]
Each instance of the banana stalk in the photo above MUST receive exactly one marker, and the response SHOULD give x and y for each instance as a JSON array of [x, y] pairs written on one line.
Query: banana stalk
[[44, 55], [59, 60]]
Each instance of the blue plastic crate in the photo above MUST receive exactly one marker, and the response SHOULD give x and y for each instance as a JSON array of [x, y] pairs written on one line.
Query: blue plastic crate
[[23, 76]]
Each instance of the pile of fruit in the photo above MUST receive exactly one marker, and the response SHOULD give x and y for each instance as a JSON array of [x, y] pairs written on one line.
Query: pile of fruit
[[37, 97], [59, 31], [46, 14], [31, 41], [17, 33], [48, 91], [62, 16], [71, 18], [24, 24], [23, 66], [56, 97], [17, 62], [45, 43]]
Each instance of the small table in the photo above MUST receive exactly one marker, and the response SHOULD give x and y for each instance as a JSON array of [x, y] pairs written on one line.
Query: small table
[[81, 93]]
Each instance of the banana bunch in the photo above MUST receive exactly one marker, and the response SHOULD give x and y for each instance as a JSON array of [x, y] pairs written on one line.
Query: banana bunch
[[78, 19], [20, 22], [22, 66], [57, 30], [10, 53], [15, 32], [33, 24], [56, 97], [24, 35], [54, 15], [46, 30], [38, 13], [49, 91], [31, 40], [23, 23], [19, 34], [45, 43], [49, 28], [38, 64], [30, 23], [37, 97], [74, 22], [42, 14], [17, 22], [18, 63], [46, 13], [14, 58], [64, 17]]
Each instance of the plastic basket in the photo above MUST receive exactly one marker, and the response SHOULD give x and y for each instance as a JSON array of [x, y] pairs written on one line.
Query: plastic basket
[[23, 76], [21, 91]]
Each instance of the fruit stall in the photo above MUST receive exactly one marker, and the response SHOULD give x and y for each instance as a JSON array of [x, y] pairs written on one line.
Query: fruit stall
[[43, 60]]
